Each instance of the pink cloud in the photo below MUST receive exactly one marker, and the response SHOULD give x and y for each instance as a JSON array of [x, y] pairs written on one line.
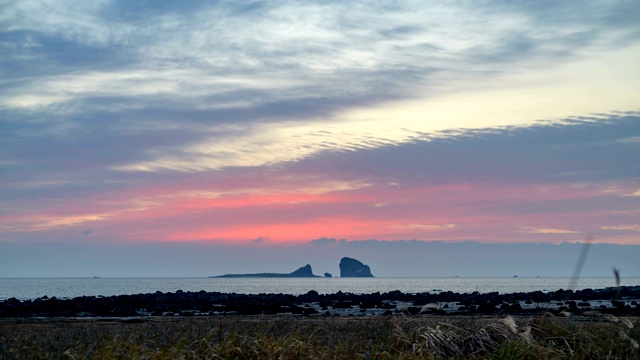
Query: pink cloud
[[285, 208]]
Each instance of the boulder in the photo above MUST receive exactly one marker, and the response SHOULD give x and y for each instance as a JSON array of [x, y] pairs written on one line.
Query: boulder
[[353, 268]]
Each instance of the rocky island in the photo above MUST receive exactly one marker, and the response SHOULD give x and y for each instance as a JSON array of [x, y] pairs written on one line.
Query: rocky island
[[304, 271], [349, 267], [353, 268]]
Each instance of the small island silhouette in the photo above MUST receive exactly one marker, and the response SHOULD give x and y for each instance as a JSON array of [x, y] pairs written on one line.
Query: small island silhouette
[[348, 268], [304, 271]]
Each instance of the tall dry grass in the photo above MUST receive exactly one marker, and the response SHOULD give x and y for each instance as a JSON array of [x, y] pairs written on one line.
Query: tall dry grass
[[274, 337]]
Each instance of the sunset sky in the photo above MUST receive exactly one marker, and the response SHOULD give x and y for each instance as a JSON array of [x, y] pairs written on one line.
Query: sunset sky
[[277, 123]]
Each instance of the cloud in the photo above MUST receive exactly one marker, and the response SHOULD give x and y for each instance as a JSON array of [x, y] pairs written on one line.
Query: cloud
[[427, 227], [286, 82], [635, 227], [282, 56], [87, 232], [325, 241], [485, 182], [259, 240], [366, 120], [632, 140], [535, 230], [636, 193], [563, 151]]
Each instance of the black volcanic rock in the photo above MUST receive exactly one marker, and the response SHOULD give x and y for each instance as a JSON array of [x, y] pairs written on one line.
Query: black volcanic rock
[[186, 303], [353, 268], [327, 275], [304, 271]]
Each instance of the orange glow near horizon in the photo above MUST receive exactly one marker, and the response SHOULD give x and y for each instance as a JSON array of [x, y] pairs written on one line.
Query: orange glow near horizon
[[280, 212]]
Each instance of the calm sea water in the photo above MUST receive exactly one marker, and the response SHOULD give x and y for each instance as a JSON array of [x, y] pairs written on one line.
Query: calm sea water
[[31, 288]]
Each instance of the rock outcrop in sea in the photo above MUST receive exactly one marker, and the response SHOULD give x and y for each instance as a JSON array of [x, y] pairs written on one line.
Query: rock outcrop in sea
[[304, 271], [353, 268]]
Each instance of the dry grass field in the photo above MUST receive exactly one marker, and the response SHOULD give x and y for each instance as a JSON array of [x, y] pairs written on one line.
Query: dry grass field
[[295, 337]]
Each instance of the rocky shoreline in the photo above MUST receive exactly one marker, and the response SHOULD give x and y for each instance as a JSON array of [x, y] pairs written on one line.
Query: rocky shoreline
[[622, 301]]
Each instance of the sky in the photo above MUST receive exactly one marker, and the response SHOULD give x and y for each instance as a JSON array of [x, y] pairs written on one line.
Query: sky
[[267, 125]]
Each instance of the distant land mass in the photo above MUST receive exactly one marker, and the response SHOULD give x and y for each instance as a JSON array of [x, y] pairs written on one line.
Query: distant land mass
[[302, 272]]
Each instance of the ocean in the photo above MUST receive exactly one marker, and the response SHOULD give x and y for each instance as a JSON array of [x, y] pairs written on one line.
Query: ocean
[[31, 288]]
